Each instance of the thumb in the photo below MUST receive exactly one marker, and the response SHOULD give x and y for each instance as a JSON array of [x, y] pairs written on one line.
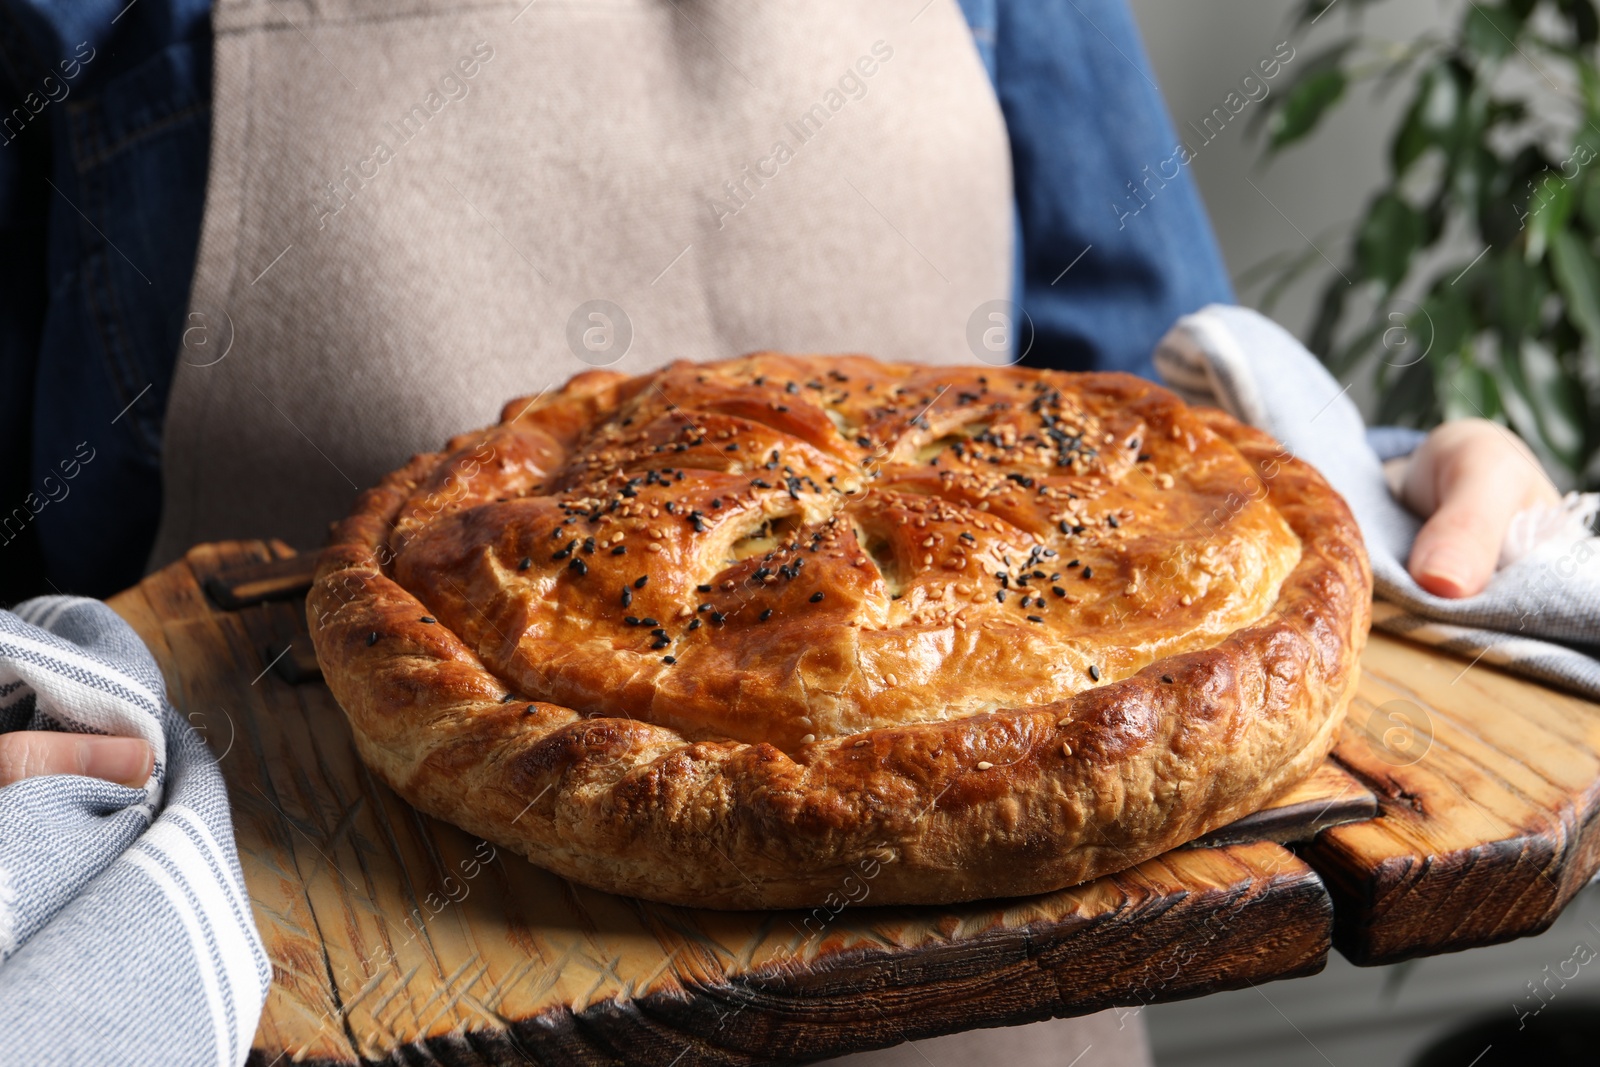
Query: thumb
[[1456, 550]]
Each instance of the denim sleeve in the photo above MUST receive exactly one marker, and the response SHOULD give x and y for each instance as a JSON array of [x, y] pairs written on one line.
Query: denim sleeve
[[1390, 442], [104, 135], [1115, 244]]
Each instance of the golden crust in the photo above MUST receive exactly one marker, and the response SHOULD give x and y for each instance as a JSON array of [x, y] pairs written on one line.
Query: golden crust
[[723, 634]]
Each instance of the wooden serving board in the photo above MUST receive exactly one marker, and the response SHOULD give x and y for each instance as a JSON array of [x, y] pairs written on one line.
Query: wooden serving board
[[398, 938]]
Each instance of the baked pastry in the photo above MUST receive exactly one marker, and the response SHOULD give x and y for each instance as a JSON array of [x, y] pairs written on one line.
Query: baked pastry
[[725, 634]]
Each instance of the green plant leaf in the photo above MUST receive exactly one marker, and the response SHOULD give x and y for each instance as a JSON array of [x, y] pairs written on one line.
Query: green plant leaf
[[1411, 400], [1490, 31], [1547, 215], [1471, 392], [1578, 277], [1589, 203], [1585, 22], [1540, 409], [1390, 233], [1316, 87]]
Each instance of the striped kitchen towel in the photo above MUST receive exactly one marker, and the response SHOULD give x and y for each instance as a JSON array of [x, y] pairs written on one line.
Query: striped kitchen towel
[[125, 930], [1540, 615]]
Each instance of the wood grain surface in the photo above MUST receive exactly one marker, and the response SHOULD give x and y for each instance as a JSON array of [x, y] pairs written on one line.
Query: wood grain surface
[[1489, 797], [397, 938]]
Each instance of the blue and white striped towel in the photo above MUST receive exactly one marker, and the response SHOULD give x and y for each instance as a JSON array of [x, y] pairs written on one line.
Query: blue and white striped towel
[[1540, 615], [125, 929]]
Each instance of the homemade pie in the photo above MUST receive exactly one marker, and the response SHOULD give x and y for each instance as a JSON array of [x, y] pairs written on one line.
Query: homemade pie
[[724, 634]]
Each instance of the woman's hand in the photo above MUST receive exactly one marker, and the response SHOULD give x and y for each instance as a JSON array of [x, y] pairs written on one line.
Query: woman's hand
[[1468, 478], [30, 753]]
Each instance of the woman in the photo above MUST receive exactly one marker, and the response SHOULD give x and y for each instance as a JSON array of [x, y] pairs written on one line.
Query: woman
[[412, 213]]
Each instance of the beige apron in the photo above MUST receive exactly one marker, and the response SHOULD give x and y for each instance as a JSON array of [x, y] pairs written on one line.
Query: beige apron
[[414, 207], [419, 209]]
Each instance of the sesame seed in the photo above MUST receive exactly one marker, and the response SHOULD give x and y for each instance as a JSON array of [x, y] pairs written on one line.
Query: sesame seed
[[639, 583], [669, 660], [695, 625], [806, 739], [1058, 591], [765, 615], [429, 618], [627, 596], [372, 638], [508, 698], [984, 765], [648, 621], [619, 550], [816, 598], [702, 589], [1066, 749], [1088, 572], [1094, 672], [578, 567], [525, 564], [1034, 618]]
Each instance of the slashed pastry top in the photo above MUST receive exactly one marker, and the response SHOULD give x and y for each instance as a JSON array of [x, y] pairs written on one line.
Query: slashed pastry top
[[1010, 629]]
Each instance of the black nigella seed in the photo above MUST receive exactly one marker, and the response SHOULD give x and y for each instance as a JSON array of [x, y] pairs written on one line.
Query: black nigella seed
[[648, 621], [765, 615], [588, 546], [1088, 572], [1000, 595], [669, 660], [1094, 672], [639, 582], [1111, 520], [1064, 526], [508, 698], [619, 550], [816, 598], [1058, 591], [1167, 678], [429, 618], [716, 503], [731, 448], [630, 620], [694, 624], [525, 564], [659, 631], [661, 642], [717, 617], [702, 589], [627, 596], [1074, 563], [703, 607], [579, 567], [372, 638], [1034, 618]]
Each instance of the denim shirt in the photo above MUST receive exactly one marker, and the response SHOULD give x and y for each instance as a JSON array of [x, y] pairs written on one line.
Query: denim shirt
[[104, 134]]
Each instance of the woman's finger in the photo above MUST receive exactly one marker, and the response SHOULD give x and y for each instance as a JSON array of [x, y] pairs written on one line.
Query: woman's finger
[[1470, 478], [31, 753]]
